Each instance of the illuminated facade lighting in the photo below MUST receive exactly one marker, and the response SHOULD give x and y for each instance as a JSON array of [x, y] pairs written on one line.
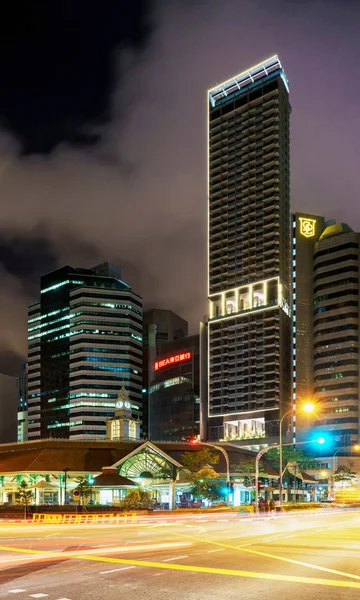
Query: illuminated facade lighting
[[171, 360], [95, 313], [248, 251], [174, 391]]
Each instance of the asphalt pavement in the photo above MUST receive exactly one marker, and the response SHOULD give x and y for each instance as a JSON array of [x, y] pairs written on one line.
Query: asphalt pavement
[[309, 555]]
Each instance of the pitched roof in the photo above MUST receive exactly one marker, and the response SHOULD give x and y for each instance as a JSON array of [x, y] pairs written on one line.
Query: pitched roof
[[110, 478], [90, 456]]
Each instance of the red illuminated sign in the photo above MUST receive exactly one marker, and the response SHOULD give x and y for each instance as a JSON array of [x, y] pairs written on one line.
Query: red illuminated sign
[[172, 360]]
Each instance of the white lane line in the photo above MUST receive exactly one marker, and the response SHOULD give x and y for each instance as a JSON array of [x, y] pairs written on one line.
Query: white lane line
[[114, 570], [63, 599], [39, 595], [17, 591], [242, 545], [175, 558], [218, 550]]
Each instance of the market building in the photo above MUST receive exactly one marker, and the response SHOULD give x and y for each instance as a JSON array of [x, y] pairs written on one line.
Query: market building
[[111, 468]]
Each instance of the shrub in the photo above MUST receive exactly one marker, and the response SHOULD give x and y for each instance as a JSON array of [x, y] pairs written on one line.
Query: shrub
[[247, 508], [136, 499], [301, 506]]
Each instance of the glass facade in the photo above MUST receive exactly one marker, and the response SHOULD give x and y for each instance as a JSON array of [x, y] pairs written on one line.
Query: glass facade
[[336, 334], [159, 326], [175, 392], [85, 340]]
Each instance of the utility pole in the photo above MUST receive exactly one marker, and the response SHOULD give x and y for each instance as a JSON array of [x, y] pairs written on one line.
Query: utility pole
[[66, 470]]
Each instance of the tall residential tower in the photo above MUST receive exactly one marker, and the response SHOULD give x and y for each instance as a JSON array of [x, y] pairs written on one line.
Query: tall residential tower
[[249, 249]]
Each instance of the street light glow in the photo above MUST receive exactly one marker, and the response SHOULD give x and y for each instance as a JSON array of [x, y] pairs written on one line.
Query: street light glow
[[308, 407]]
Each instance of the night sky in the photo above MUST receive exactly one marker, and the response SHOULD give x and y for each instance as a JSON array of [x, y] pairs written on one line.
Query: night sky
[[103, 134]]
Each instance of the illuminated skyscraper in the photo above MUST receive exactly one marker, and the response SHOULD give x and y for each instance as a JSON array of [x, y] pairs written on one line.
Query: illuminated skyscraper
[[85, 343], [249, 250]]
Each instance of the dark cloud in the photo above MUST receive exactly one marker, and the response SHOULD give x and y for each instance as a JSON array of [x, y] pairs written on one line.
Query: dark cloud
[[137, 197], [27, 255], [11, 363], [57, 66]]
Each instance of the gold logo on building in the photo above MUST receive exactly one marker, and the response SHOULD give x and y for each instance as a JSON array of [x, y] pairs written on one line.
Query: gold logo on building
[[307, 227]]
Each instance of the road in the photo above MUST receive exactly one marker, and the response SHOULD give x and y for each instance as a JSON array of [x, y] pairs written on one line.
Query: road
[[303, 556]]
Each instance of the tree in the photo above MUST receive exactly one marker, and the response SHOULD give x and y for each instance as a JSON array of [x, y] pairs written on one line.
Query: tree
[[203, 479], [246, 469], [84, 489], [206, 484], [194, 461], [298, 459], [24, 496], [136, 499], [345, 474]]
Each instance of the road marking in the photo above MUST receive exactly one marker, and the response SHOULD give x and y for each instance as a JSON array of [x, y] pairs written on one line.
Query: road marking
[[175, 558], [63, 599], [288, 560], [106, 550], [218, 550], [232, 572], [216, 571], [17, 591], [39, 595], [114, 570]]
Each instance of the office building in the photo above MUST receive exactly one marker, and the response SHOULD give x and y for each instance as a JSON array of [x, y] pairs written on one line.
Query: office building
[[175, 391], [22, 405], [249, 250], [8, 406], [306, 230], [85, 342], [159, 326], [325, 280], [336, 334]]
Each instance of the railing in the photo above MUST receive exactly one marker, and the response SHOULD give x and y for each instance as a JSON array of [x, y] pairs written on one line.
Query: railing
[[83, 518]]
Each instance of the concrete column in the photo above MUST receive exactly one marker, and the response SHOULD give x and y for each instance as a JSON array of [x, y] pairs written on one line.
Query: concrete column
[[172, 496]]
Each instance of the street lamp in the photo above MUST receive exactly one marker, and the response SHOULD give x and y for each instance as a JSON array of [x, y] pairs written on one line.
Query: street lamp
[[225, 454], [319, 440], [65, 471], [308, 408]]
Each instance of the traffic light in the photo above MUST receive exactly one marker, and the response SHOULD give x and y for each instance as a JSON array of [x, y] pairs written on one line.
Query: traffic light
[[324, 439], [193, 440]]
